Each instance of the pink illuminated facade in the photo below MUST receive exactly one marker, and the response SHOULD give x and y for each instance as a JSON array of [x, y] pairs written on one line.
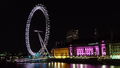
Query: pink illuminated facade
[[89, 50]]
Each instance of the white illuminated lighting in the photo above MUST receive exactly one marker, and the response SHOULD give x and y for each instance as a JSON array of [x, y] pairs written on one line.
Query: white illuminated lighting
[[73, 65], [62, 65], [81, 65], [55, 66], [112, 67], [103, 66], [115, 56], [59, 65], [49, 64], [43, 41]]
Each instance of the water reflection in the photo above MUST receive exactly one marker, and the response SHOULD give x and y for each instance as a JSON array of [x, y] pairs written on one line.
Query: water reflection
[[62, 65], [29, 65], [32, 65], [58, 65]]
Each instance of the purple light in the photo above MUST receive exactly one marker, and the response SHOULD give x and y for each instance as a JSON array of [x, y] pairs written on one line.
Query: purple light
[[71, 52], [97, 50], [80, 51], [85, 50], [103, 49], [88, 50]]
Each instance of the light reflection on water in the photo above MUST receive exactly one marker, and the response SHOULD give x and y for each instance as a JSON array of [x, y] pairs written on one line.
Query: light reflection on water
[[62, 65]]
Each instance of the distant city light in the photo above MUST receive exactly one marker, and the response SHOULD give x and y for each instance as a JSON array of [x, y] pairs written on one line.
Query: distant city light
[[115, 56]]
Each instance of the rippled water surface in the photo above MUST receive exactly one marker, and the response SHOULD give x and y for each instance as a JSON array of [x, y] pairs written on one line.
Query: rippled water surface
[[56, 65]]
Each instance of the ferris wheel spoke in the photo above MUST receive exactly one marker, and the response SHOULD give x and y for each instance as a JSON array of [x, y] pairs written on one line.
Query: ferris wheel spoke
[[40, 39]]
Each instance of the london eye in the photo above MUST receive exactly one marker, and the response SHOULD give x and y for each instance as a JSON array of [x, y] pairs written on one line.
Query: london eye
[[42, 40]]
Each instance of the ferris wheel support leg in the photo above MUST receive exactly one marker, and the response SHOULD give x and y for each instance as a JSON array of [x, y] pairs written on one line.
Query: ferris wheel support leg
[[41, 50], [43, 45]]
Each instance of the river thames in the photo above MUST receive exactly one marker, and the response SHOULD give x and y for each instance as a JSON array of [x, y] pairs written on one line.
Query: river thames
[[56, 65]]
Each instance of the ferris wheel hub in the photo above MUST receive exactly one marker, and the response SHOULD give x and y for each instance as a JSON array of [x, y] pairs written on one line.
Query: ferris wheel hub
[[37, 31]]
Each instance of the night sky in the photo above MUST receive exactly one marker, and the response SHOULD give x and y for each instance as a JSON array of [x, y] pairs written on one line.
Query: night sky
[[63, 17]]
